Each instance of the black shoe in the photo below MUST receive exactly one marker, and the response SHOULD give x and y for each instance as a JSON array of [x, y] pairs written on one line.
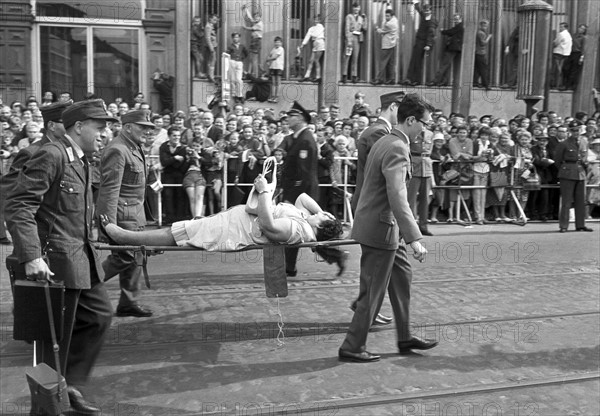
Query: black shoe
[[414, 83], [133, 310], [562, 230], [588, 229], [305, 79], [291, 273], [390, 82], [357, 357], [425, 231], [5, 241], [377, 82], [415, 343], [341, 262], [381, 320], [81, 405], [344, 79]]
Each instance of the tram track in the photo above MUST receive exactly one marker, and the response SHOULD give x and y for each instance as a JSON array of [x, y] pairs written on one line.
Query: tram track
[[299, 331], [311, 285], [338, 406]]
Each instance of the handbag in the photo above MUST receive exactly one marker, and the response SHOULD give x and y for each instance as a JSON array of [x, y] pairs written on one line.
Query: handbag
[[532, 182], [269, 167], [47, 386]]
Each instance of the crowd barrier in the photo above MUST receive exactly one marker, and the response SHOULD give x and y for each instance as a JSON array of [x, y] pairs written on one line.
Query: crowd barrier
[[464, 167]]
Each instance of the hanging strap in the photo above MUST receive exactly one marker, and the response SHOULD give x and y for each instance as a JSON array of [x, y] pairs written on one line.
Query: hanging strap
[[55, 346]]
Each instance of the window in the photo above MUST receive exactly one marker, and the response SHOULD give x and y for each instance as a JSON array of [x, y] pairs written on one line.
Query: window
[[103, 60]]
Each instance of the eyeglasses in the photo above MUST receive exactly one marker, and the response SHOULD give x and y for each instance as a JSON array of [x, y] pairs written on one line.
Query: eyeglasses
[[426, 124]]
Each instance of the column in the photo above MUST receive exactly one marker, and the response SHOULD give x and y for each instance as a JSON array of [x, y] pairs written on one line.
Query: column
[[463, 82], [587, 13], [183, 94], [333, 19]]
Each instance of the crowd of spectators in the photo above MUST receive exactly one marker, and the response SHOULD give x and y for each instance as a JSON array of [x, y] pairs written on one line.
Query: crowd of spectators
[[430, 60], [194, 157]]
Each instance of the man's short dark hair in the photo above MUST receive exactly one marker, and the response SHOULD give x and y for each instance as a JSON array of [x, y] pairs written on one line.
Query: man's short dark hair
[[172, 129], [413, 105]]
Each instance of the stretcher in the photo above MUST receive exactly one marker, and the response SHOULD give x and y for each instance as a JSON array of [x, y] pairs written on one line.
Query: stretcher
[[273, 259]]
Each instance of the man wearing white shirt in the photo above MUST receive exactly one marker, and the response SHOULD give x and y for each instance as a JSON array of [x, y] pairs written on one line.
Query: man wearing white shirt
[[562, 44], [389, 38]]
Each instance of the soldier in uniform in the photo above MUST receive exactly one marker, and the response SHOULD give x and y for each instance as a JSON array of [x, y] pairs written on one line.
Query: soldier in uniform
[[570, 157], [420, 184], [49, 215], [121, 200]]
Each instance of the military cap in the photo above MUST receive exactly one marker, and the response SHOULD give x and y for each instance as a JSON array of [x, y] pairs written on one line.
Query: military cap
[[391, 97], [86, 110], [141, 117], [54, 111], [298, 109]]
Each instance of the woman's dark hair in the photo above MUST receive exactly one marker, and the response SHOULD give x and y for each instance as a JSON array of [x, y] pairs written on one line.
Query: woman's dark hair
[[329, 230]]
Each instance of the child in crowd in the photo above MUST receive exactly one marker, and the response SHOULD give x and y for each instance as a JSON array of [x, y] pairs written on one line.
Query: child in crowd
[[212, 167], [276, 62], [441, 163], [233, 152], [279, 155]]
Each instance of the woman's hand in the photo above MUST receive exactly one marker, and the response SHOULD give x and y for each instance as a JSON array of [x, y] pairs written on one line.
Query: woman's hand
[[260, 184]]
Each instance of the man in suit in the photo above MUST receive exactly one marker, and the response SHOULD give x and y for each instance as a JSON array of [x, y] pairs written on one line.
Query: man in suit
[[300, 176], [49, 215], [210, 130], [453, 50], [570, 157], [421, 181], [383, 218], [423, 43], [121, 200]]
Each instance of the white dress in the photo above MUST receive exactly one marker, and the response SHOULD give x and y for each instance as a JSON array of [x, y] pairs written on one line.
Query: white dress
[[235, 229]]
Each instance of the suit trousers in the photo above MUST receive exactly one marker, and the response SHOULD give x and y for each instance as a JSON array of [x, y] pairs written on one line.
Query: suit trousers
[[419, 189], [481, 70], [572, 192], [387, 68], [441, 77], [415, 68], [380, 270], [88, 314]]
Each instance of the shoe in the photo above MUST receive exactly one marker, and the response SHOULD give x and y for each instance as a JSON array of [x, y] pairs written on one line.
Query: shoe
[[479, 222], [376, 82], [381, 320], [415, 343], [341, 262], [357, 357], [588, 229], [414, 83], [305, 79], [390, 82], [433, 220], [5, 241], [80, 405], [291, 273], [354, 80], [562, 230], [425, 231], [344, 79], [133, 310], [450, 220]]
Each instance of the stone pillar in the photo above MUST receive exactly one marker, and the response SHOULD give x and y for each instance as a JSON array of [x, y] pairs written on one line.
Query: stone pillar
[[160, 45], [333, 19], [16, 22], [587, 13], [462, 88], [183, 96]]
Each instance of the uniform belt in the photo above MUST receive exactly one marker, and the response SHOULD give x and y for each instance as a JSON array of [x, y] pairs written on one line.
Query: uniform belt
[[418, 154]]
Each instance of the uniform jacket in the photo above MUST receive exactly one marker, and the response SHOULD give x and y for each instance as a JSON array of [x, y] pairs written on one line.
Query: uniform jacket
[[383, 214], [364, 144], [123, 183], [300, 168], [49, 210], [570, 158], [420, 151]]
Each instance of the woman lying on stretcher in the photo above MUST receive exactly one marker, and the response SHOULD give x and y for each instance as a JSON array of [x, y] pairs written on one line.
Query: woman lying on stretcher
[[235, 228]]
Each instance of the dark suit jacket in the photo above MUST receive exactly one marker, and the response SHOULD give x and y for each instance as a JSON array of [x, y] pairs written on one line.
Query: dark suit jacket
[[300, 166], [383, 214], [545, 170], [325, 162], [455, 37], [123, 183], [364, 144], [49, 209], [214, 133]]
